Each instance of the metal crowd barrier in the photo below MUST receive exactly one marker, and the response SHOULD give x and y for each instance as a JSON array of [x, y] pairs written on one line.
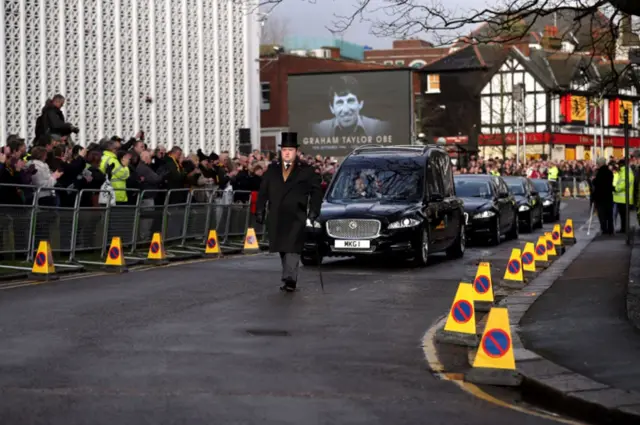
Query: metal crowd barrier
[[574, 187], [75, 222]]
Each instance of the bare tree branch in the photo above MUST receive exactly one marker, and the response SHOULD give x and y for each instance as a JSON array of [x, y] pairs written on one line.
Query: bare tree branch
[[274, 30]]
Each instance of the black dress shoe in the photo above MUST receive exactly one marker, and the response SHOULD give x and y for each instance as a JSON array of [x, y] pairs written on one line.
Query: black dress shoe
[[289, 286]]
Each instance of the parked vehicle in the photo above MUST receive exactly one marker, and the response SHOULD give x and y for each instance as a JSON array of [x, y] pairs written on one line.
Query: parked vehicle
[[528, 202], [490, 205], [396, 200], [551, 198]]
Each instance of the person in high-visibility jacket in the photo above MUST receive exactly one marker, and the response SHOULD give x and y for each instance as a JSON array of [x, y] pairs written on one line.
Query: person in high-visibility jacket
[[552, 173], [620, 191], [119, 170]]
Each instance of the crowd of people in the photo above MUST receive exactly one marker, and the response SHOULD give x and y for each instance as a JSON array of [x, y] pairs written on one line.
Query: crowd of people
[[123, 168]]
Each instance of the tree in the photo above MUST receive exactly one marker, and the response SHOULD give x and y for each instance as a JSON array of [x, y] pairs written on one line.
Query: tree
[[599, 24], [274, 30]]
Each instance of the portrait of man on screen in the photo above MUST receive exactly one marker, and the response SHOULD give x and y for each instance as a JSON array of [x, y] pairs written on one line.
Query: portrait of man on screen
[[346, 103]]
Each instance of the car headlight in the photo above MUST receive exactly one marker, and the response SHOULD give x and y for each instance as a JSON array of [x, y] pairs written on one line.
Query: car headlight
[[484, 214], [547, 203], [404, 223], [524, 208], [315, 225]]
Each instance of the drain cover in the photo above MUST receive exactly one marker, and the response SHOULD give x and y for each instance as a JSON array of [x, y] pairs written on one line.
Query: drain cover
[[268, 332]]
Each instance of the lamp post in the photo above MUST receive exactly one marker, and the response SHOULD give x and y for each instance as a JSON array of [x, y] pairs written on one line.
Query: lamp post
[[626, 174]]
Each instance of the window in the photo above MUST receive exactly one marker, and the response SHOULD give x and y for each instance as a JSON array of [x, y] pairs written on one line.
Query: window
[[400, 62], [447, 175], [434, 179], [433, 83], [388, 62], [266, 96], [418, 63]]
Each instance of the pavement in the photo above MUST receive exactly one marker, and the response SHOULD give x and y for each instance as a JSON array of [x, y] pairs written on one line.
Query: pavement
[[588, 364], [216, 342]]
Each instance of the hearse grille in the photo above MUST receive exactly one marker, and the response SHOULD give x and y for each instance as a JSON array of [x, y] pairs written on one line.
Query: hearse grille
[[353, 228]]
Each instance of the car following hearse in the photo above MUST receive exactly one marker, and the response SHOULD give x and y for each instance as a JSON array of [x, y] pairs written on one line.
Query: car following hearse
[[528, 202], [550, 195], [395, 200], [490, 205]]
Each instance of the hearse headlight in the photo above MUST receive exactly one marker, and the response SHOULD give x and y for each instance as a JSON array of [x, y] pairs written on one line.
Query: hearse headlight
[[524, 208], [315, 225], [547, 202], [404, 223], [484, 214]]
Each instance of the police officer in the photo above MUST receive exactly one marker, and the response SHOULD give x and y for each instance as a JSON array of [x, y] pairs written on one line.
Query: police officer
[[293, 192], [552, 173], [619, 193]]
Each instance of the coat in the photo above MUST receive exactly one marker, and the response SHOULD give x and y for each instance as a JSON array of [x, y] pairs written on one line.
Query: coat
[[603, 186], [290, 204]]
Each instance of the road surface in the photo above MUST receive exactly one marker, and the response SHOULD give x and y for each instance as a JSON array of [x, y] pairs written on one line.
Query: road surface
[[216, 343]]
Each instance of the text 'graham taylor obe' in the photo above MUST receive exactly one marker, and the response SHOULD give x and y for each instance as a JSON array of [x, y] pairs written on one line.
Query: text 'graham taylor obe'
[[346, 140]]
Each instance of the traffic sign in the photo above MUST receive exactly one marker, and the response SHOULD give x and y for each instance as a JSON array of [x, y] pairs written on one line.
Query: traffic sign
[[496, 343], [462, 314], [115, 260], [514, 266], [482, 284], [114, 253], [556, 236], [541, 249], [462, 311], [41, 258], [529, 258], [496, 347], [212, 246], [156, 250]]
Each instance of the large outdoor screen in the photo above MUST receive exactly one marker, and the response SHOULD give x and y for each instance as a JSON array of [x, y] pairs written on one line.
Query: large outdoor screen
[[334, 113]]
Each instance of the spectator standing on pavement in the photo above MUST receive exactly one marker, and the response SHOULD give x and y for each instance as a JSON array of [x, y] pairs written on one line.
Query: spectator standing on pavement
[[52, 120], [292, 191], [149, 182], [603, 196]]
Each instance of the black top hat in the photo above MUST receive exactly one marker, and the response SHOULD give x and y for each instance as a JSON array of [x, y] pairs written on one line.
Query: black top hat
[[289, 140]]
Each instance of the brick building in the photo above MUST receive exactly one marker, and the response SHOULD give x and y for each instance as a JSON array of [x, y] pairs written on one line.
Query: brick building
[[407, 53], [274, 71]]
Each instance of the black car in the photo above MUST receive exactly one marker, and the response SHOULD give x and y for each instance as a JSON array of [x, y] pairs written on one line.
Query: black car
[[550, 195], [490, 206], [528, 202], [396, 200]]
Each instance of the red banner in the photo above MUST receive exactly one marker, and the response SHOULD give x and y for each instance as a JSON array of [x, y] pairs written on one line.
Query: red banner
[[556, 138]]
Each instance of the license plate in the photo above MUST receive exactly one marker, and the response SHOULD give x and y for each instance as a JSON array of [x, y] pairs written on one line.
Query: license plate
[[353, 244]]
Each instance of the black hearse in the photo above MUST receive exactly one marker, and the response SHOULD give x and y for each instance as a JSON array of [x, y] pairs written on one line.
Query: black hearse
[[397, 200]]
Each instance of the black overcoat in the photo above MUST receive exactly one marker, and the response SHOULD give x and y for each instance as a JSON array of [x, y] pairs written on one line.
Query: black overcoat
[[288, 205], [603, 186]]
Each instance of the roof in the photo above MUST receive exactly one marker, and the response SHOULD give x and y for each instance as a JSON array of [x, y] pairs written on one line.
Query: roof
[[572, 26], [469, 57]]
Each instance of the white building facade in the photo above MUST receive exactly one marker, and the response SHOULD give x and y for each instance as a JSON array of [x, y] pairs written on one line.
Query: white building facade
[[184, 71]]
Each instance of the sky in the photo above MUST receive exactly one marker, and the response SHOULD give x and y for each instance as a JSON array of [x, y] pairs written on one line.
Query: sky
[[311, 17]]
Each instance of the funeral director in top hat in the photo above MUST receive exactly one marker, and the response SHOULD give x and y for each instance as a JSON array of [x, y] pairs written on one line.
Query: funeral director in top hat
[[294, 194]]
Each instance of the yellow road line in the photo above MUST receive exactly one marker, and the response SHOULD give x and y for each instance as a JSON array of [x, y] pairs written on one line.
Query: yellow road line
[[431, 356]]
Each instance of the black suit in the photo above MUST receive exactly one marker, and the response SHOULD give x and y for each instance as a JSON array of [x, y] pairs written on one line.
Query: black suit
[[603, 198], [289, 202]]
